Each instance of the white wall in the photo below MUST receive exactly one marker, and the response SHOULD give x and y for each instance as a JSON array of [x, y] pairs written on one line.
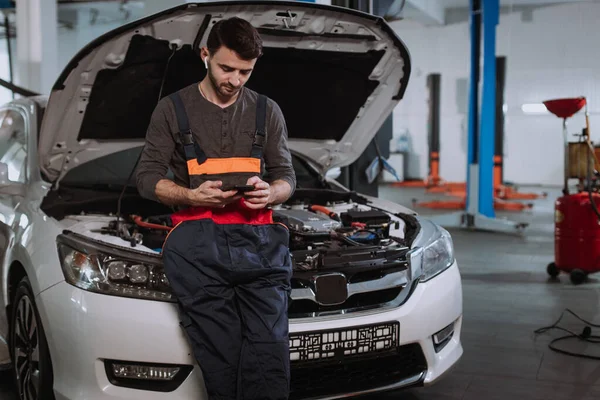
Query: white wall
[[554, 54], [5, 94], [70, 41]]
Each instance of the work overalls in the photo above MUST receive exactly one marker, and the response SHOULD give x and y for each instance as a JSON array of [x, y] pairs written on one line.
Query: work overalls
[[230, 270]]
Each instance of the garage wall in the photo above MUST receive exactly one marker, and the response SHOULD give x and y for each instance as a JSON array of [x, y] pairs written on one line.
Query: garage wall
[[5, 94], [551, 52], [70, 40]]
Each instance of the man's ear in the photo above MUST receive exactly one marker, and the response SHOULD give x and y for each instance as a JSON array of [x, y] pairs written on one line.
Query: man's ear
[[204, 53]]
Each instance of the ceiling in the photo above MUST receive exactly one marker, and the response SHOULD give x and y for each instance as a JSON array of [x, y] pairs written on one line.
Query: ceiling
[[426, 12], [508, 3], [442, 12]]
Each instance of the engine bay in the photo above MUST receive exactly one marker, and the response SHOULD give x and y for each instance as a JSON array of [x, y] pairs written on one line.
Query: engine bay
[[320, 236], [328, 229]]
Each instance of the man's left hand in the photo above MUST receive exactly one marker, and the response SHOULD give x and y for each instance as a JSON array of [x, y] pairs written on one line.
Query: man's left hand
[[259, 197]]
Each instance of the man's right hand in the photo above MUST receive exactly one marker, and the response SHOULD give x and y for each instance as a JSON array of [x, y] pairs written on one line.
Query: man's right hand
[[209, 194]]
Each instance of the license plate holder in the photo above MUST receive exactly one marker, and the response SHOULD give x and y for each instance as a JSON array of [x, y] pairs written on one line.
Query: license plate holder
[[339, 344]]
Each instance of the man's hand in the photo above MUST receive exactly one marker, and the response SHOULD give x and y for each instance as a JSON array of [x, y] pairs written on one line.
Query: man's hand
[[260, 197], [209, 194]]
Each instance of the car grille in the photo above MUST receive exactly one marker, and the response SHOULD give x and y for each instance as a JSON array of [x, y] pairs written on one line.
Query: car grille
[[355, 373], [300, 308], [368, 290]]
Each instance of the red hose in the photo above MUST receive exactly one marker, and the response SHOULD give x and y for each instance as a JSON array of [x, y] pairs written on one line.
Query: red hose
[[325, 211], [138, 220]]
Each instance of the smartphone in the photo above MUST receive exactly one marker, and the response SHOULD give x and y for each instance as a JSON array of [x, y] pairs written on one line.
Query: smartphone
[[240, 188]]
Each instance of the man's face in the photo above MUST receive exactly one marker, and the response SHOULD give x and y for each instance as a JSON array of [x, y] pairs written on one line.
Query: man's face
[[227, 71]]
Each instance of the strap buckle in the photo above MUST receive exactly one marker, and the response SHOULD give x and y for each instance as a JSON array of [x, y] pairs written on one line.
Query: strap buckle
[[259, 139], [187, 137]]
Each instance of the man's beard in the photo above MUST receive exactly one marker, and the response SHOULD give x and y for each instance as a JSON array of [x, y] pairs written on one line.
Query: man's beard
[[222, 89]]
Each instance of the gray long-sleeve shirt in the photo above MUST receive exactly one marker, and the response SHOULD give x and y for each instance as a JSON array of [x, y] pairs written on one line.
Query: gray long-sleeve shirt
[[220, 132]]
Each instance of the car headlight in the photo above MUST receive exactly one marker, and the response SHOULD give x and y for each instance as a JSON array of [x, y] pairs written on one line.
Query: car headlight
[[97, 267], [437, 256]]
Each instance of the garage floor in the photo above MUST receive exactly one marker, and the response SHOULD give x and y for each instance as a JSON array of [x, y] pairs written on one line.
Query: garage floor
[[508, 295]]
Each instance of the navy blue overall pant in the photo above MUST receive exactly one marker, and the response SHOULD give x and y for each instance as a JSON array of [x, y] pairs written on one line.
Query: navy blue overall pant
[[232, 282]]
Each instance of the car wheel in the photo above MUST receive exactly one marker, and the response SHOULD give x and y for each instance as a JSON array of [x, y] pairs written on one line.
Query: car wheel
[[29, 348]]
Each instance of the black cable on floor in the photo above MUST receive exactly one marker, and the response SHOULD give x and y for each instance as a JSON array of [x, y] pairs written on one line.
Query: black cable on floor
[[586, 336]]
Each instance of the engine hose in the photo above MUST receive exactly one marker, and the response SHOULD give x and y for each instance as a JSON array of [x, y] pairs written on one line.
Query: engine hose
[[345, 239], [138, 221], [589, 188], [590, 154], [325, 211], [593, 203]]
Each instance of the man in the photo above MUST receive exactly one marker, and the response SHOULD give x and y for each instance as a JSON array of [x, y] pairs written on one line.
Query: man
[[229, 265]]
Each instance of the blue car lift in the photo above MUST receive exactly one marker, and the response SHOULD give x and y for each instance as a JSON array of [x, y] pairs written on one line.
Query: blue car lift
[[479, 208]]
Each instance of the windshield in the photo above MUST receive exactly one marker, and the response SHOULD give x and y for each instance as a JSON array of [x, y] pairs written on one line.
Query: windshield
[[115, 169]]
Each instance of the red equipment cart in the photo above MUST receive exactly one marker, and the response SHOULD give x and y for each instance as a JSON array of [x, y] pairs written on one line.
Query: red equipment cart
[[576, 216]]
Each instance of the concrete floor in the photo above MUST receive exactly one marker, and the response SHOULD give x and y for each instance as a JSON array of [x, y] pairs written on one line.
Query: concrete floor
[[508, 295]]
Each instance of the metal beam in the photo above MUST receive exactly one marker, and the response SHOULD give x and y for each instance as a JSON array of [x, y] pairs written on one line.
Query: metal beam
[[488, 110], [37, 44], [479, 213], [473, 140]]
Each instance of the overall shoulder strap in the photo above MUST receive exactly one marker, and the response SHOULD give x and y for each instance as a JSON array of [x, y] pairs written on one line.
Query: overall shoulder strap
[[261, 133], [192, 149]]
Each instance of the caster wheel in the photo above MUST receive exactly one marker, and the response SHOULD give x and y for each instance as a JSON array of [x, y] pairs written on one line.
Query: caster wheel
[[553, 270], [578, 276]]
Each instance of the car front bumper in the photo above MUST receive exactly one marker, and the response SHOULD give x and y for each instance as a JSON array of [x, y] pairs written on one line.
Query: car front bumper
[[83, 329]]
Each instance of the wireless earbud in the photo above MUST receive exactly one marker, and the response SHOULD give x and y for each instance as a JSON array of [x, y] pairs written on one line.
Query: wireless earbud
[[206, 62]]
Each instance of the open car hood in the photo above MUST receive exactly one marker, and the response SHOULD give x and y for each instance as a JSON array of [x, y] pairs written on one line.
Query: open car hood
[[336, 73]]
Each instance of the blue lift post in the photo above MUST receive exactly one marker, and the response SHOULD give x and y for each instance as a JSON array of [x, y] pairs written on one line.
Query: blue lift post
[[479, 208], [488, 109]]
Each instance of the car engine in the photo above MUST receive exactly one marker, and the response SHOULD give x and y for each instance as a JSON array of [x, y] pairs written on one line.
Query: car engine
[[322, 237], [305, 221], [317, 226], [319, 236]]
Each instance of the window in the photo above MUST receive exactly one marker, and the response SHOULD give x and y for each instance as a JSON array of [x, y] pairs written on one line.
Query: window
[[13, 145]]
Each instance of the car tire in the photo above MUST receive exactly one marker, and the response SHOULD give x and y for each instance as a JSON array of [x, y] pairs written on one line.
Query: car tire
[[32, 367]]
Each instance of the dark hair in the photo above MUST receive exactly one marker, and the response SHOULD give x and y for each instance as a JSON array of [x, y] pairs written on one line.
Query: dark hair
[[236, 34]]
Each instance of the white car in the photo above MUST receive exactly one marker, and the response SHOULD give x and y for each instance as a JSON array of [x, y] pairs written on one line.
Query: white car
[[377, 298]]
